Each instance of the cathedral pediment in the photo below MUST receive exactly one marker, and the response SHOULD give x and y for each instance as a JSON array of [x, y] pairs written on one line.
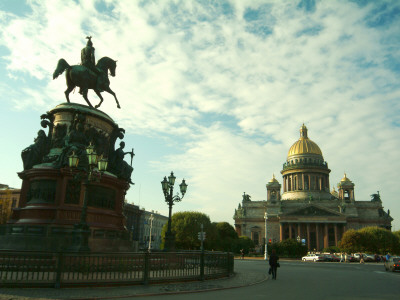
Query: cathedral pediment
[[312, 210]]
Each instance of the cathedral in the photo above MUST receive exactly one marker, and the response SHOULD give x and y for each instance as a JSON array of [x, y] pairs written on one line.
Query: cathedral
[[305, 209]]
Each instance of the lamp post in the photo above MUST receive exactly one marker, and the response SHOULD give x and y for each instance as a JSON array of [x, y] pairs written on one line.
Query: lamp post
[[81, 231], [266, 236], [151, 226], [168, 190], [298, 239]]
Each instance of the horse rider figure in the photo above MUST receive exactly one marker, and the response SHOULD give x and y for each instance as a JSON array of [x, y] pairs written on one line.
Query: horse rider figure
[[88, 60]]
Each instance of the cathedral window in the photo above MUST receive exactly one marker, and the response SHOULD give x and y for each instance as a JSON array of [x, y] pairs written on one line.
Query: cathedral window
[[346, 195], [256, 237]]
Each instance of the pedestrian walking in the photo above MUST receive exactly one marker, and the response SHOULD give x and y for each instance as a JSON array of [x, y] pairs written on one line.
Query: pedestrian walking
[[241, 254], [345, 257], [361, 258], [273, 263], [341, 257]]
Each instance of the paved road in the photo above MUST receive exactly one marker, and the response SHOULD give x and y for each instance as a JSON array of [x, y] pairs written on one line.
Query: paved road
[[296, 280], [308, 280]]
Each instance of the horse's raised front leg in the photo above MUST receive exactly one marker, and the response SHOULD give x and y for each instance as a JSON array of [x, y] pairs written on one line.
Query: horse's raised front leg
[[108, 90], [84, 94], [99, 95], [67, 91]]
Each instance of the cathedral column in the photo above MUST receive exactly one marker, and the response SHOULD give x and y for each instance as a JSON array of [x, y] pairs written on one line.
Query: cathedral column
[[317, 234], [280, 232], [284, 184], [309, 182], [299, 230], [336, 238], [302, 182], [290, 230], [308, 236], [327, 182], [326, 236]]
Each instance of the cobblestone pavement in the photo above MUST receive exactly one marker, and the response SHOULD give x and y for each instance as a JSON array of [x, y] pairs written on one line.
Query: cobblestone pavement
[[243, 277]]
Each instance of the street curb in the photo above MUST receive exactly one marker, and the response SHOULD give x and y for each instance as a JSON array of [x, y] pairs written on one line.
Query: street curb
[[174, 292]]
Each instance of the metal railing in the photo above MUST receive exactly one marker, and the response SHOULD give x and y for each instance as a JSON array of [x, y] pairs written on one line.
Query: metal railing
[[38, 269]]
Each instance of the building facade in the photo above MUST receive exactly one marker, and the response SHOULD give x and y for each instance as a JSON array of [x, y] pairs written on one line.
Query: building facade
[[151, 228], [9, 199], [133, 215], [142, 224], [303, 207]]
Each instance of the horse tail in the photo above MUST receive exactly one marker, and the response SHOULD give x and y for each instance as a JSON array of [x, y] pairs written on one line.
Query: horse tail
[[61, 66]]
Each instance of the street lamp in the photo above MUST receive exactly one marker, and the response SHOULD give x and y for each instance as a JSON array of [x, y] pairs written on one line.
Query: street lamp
[[298, 239], [151, 226], [81, 231], [168, 190], [266, 236]]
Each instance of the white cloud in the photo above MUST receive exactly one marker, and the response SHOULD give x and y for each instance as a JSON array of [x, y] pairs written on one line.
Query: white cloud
[[181, 62]]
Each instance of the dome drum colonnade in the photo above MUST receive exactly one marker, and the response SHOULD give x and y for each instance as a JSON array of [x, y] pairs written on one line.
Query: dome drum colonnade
[[305, 172]]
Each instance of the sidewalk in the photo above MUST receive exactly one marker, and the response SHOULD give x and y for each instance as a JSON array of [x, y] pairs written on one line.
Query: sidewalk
[[241, 278]]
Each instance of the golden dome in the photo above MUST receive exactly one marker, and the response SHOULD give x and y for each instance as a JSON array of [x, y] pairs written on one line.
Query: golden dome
[[273, 179], [345, 179], [304, 145]]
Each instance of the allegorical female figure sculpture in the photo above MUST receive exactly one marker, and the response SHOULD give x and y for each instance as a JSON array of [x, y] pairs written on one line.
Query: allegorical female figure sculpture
[[33, 154]]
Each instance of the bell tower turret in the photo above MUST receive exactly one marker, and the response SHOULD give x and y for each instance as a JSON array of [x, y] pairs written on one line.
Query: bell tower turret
[[346, 190], [273, 191]]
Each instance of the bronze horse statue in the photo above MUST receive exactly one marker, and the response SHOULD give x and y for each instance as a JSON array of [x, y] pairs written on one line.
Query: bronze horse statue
[[86, 79]]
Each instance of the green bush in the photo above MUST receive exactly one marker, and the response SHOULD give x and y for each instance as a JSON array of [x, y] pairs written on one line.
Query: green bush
[[245, 243], [370, 240], [331, 249], [288, 248]]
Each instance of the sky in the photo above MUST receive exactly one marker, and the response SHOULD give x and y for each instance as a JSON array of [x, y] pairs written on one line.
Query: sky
[[217, 91]]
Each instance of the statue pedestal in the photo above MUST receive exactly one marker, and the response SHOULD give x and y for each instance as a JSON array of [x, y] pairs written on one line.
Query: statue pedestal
[[169, 244], [52, 197], [80, 242]]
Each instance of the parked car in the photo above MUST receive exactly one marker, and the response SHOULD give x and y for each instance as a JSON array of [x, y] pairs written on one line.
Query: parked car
[[335, 258], [331, 258], [392, 264], [368, 257], [351, 258], [357, 256], [313, 257], [328, 257]]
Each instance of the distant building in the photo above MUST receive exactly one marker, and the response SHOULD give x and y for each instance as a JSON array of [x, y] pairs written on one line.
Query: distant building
[[155, 227], [138, 224], [133, 223], [307, 210], [9, 198]]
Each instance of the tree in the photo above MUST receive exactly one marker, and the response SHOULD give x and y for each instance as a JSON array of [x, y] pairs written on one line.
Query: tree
[[288, 248], [226, 239], [245, 243], [370, 240], [331, 249], [378, 240], [351, 241], [185, 226]]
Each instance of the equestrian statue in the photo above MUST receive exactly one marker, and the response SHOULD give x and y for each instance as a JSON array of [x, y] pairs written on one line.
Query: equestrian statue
[[87, 75]]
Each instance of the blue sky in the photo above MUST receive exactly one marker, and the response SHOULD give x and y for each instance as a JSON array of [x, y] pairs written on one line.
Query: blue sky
[[217, 90]]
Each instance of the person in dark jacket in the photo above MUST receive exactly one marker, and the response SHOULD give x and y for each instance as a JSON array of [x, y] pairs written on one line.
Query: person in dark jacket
[[273, 262]]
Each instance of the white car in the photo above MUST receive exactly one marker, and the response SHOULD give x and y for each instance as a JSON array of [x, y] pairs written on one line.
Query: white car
[[313, 257]]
